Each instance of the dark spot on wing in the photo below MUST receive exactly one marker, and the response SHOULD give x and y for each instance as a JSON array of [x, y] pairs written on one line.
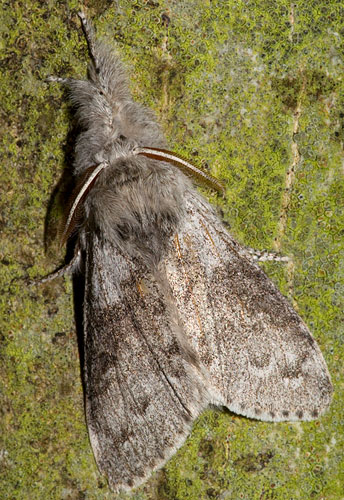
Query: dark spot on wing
[[140, 473]]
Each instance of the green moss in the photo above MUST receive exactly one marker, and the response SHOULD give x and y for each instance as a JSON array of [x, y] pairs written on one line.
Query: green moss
[[226, 80]]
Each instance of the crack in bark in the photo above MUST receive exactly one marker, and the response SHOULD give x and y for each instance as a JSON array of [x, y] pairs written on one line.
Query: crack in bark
[[290, 173]]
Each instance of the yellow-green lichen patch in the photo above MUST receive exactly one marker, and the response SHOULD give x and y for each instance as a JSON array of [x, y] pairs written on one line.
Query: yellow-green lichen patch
[[250, 90]]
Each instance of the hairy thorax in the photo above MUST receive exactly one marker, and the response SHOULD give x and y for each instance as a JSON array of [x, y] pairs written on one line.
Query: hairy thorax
[[137, 204]]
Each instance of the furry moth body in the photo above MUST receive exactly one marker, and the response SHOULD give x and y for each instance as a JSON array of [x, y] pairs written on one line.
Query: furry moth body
[[177, 315]]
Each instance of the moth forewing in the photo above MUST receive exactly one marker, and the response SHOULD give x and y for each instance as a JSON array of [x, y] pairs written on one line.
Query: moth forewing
[[261, 356]]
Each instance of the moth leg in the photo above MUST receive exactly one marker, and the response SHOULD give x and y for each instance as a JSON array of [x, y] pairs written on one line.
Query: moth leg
[[263, 256], [63, 81], [59, 272], [90, 37]]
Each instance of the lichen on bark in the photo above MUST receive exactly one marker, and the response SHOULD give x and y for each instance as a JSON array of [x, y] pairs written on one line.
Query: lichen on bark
[[254, 92]]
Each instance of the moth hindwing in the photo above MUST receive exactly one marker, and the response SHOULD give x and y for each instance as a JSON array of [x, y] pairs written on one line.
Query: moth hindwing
[[176, 313]]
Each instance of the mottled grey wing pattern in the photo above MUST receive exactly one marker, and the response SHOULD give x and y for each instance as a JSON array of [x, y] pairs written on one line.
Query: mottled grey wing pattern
[[143, 383], [262, 359]]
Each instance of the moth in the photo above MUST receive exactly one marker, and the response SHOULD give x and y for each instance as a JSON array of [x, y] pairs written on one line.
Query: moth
[[176, 314]]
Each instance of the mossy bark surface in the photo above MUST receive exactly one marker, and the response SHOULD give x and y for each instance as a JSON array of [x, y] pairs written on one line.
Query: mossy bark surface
[[254, 92]]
